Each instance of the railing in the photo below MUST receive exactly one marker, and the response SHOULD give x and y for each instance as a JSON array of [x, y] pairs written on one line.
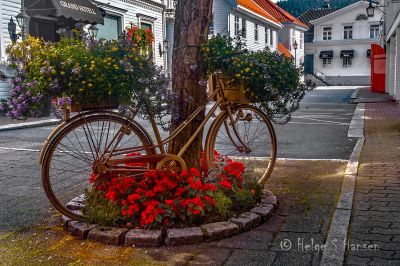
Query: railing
[[320, 76]]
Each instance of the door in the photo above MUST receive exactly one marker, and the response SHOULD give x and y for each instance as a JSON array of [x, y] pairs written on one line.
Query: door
[[309, 64], [378, 68]]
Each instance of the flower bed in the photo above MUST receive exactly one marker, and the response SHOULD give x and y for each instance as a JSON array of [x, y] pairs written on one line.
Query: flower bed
[[165, 199]]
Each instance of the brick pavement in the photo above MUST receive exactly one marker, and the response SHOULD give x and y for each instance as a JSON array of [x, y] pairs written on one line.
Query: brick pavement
[[376, 211]]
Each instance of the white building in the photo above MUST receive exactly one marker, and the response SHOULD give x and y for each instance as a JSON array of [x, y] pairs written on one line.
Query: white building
[[120, 14], [392, 42], [342, 43], [258, 28]]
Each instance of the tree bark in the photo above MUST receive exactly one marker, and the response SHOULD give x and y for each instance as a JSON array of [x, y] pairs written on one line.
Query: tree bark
[[192, 20]]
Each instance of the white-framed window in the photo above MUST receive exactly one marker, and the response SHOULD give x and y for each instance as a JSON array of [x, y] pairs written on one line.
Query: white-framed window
[[348, 32], [326, 62], [301, 44], [266, 35], [293, 36], [244, 28], [256, 32], [271, 38], [211, 27], [347, 61], [111, 29], [237, 26], [327, 33], [374, 31]]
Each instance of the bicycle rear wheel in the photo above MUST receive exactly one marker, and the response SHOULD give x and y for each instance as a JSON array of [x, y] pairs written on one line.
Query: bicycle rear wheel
[[250, 138], [73, 152]]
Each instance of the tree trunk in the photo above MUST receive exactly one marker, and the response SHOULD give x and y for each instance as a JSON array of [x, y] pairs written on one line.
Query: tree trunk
[[192, 19]]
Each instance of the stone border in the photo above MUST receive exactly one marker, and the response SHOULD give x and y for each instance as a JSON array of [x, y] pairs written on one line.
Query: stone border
[[171, 237], [335, 247]]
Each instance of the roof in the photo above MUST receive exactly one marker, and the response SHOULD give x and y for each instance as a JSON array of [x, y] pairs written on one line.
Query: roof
[[251, 5], [314, 14], [278, 13], [284, 51]]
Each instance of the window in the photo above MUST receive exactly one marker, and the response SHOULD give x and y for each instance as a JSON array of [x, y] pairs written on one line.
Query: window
[[266, 36], [327, 33], [271, 38], [301, 44], [348, 32], [211, 27], [244, 28], [256, 32], [111, 29], [293, 36], [347, 61], [237, 28], [148, 26], [326, 62], [374, 32]]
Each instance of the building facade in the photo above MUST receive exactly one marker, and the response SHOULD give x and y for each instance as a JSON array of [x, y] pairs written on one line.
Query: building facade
[[257, 28], [342, 39], [392, 43], [119, 14]]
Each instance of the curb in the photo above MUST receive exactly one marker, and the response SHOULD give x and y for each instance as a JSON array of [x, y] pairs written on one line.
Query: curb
[[355, 93], [49, 122], [335, 246], [258, 215]]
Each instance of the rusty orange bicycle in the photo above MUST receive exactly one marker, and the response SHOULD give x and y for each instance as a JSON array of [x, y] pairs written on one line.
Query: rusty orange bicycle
[[104, 142]]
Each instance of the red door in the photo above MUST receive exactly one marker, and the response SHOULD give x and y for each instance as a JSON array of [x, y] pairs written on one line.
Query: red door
[[378, 68]]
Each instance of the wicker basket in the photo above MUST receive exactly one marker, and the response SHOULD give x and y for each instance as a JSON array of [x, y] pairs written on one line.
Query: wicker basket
[[234, 93]]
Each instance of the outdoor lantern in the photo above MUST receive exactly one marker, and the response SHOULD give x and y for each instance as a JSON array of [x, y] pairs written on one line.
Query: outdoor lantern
[[20, 20], [295, 45], [93, 30], [12, 28], [370, 10]]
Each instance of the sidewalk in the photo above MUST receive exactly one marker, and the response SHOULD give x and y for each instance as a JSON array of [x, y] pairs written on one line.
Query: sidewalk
[[7, 123], [375, 225]]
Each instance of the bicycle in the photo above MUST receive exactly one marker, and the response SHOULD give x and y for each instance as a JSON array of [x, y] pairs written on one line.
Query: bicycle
[[104, 142]]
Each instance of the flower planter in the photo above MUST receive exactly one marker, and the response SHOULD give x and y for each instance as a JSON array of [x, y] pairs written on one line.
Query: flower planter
[[109, 104], [234, 93]]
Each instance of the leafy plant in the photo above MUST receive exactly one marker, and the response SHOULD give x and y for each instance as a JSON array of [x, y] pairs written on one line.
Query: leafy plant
[[99, 210], [223, 205], [271, 81]]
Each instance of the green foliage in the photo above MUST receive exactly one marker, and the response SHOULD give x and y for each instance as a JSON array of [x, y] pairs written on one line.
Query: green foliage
[[271, 80], [243, 201], [223, 205], [298, 7], [99, 210]]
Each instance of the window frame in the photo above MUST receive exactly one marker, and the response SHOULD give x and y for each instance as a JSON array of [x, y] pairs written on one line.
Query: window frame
[[256, 32], [150, 50], [326, 62], [347, 62], [236, 25], [244, 28], [267, 36], [301, 42], [120, 22], [327, 33], [374, 31], [271, 38], [348, 32]]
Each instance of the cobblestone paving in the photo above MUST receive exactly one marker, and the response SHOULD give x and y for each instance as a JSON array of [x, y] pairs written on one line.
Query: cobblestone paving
[[307, 194], [376, 210]]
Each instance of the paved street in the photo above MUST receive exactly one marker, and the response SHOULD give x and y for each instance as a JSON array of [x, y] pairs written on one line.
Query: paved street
[[318, 131]]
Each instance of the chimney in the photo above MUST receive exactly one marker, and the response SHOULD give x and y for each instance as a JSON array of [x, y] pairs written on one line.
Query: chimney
[[326, 4]]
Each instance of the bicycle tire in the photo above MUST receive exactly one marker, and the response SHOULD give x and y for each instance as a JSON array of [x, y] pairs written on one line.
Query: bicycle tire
[[259, 160], [50, 180]]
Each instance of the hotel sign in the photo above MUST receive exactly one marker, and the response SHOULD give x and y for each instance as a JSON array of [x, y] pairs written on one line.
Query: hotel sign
[[77, 7]]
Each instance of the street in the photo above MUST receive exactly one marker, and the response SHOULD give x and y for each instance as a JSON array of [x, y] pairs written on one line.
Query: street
[[318, 131]]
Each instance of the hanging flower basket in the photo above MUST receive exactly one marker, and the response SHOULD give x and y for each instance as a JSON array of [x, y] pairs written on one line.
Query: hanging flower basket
[[233, 92]]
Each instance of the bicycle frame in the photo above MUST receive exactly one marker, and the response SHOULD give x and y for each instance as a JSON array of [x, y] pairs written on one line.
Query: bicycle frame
[[220, 102]]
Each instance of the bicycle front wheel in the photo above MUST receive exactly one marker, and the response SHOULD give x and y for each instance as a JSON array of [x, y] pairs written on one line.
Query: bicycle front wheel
[[247, 136], [74, 152]]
